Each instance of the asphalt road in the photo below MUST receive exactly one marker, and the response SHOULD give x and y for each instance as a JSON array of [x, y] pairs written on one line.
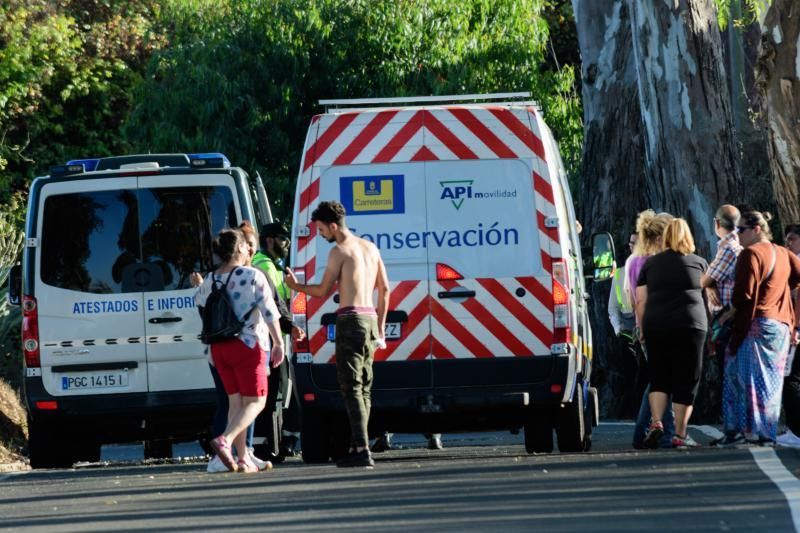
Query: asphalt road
[[479, 482]]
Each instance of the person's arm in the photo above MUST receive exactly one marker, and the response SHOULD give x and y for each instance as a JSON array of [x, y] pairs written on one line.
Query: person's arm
[[382, 284], [264, 299], [613, 307], [641, 300], [323, 288], [745, 289]]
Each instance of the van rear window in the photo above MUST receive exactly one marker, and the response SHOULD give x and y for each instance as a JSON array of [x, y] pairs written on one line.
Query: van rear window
[[119, 241]]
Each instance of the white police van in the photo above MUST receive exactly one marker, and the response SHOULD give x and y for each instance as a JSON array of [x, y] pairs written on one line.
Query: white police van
[[110, 330], [487, 325]]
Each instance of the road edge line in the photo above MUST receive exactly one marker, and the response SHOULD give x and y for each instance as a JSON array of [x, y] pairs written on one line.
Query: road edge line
[[769, 463]]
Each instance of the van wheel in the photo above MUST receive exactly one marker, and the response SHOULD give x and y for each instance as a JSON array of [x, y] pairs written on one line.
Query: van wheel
[[339, 437], [158, 449], [539, 431], [571, 424], [314, 437], [46, 446]]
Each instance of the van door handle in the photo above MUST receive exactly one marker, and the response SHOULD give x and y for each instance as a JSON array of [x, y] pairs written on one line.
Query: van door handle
[[164, 319], [457, 294]]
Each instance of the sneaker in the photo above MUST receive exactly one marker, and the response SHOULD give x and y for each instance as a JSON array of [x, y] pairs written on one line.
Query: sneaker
[[435, 442], [730, 440], [357, 459], [761, 441], [789, 439], [215, 465], [288, 447], [653, 435], [260, 463], [684, 442], [383, 443]]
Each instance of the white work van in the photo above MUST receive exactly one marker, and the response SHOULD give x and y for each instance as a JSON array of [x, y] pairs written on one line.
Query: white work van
[[487, 326], [110, 329]]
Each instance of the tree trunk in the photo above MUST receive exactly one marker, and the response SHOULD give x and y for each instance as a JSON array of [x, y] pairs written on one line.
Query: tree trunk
[[690, 144], [612, 189], [777, 76], [657, 134]]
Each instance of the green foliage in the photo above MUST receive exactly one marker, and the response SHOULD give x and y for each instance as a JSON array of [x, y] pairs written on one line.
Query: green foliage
[[740, 13], [244, 77], [11, 239], [66, 73]]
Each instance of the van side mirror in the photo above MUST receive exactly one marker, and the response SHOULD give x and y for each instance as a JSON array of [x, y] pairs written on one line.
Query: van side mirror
[[14, 295], [603, 255]]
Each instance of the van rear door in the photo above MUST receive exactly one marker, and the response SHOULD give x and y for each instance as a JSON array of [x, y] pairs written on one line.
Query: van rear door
[[382, 204], [91, 314], [178, 217], [490, 292]]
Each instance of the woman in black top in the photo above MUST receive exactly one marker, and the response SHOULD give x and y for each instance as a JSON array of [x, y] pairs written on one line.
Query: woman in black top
[[672, 313]]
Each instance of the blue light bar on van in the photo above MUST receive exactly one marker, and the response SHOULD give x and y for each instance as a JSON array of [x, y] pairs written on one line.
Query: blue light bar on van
[[88, 164], [67, 170], [209, 160]]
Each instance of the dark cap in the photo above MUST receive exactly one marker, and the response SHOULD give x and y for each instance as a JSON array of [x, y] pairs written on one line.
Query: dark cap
[[274, 229]]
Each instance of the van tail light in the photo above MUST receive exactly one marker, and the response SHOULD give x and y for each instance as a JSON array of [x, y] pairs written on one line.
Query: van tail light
[[298, 309], [447, 273], [561, 307], [30, 332], [299, 304]]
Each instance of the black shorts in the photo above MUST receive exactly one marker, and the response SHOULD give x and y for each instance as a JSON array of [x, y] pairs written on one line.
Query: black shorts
[[675, 361]]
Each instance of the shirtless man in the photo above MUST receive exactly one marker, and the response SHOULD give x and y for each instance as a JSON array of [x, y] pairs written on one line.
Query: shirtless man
[[356, 265]]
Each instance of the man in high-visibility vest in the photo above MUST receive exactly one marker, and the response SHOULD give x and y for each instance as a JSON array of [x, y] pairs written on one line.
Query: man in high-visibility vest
[[271, 259], [621, 316]]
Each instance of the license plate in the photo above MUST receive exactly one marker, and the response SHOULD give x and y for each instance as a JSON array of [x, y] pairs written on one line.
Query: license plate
[[95, 380], [391, 331]]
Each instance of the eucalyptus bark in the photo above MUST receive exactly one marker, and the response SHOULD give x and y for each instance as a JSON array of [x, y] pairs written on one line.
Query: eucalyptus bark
[[690, 148], [612, 185], [778, 78], [658, 134]]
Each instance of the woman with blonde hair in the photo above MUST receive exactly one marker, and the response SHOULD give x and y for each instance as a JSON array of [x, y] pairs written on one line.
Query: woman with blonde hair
[[672, 314], [649, 230]]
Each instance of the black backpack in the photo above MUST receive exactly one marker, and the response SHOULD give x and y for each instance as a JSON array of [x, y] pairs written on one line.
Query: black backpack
[[220, 322]]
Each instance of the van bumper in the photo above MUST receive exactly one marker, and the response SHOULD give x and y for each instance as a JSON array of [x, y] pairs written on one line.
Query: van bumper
[[180, 415], [457, 407]]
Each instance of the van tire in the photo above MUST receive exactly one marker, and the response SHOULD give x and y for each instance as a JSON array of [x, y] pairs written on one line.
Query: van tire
[[158, 449], [339, 436], [314, 437], [539, 431], [47, 447], [572, 425]]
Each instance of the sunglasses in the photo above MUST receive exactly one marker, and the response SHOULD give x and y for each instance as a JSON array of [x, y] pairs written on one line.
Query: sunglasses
[[742, 229]]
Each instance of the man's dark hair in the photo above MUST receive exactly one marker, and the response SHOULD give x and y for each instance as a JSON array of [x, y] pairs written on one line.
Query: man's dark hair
[[329, 212], [728, 217], [273, 229], [792, 228]]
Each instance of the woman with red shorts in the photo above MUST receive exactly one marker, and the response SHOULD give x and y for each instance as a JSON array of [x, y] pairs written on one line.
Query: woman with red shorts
[[241, 361]]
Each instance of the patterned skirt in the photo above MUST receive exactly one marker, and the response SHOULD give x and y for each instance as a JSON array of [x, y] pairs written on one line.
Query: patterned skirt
[[753, 383]]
